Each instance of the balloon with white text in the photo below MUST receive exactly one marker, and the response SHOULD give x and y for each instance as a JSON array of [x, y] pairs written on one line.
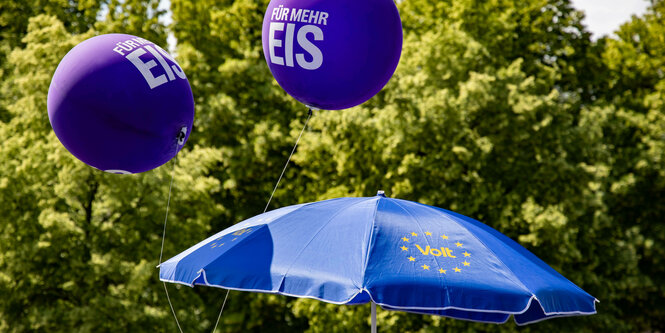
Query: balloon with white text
[[332, 54], [121, 104]]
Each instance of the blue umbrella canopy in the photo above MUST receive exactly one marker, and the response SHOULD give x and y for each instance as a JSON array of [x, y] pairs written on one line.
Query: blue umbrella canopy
[[399, 254]]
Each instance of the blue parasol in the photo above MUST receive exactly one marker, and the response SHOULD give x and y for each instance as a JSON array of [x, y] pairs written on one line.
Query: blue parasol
[[399, 254]]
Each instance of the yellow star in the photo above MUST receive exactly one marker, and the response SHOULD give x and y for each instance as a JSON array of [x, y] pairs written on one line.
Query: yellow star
[[214, 244], [457, 270], [428, 233], [412, 259], [442, 271], [444, 237], [467, 254], [233, 240], [405, 239], [414, 234], [425, 267], [466, 263], [459, 244], [404, 248]]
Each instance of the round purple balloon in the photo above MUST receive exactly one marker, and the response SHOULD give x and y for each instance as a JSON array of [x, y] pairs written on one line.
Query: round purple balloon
[[332, 54], [121, 104]]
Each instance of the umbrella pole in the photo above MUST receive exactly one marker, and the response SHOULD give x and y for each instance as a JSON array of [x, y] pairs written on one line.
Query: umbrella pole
[[373, 317]]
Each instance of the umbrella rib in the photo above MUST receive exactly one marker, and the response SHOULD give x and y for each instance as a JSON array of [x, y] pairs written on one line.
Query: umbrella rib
[[514, 276], [370, 243], [223, 233], [240, 226], [281, 282], [445, 280]]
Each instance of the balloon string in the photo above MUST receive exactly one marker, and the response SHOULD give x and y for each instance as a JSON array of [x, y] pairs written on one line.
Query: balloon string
[[221, 310], [168, 203], [171, 306], [309, 115], [161, 251]]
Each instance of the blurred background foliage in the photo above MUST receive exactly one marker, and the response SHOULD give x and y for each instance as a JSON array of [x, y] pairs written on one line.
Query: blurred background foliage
[[506, 111]]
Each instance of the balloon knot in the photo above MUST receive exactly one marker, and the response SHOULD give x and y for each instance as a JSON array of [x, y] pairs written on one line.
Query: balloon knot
[[181, 136]]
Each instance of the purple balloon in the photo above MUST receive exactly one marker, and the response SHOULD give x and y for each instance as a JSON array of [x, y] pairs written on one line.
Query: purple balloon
[[332, 54], [121, 104]]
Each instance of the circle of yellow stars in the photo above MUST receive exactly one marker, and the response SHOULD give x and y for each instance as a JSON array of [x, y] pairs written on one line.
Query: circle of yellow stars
[[235, 235], [426, 267]]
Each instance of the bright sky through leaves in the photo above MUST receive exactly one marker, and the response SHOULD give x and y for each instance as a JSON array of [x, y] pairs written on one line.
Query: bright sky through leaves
[[603, 17]]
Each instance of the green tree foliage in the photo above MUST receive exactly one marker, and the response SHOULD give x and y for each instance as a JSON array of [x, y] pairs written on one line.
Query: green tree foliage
[[456, 144], [502, 110], [79, 247], [634, 135]]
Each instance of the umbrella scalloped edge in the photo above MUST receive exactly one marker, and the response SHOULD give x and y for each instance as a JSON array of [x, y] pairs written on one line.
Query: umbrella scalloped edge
[[473, 314]]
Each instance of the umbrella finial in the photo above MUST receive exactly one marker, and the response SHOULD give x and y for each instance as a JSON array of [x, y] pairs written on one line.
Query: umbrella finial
[[381, 193]]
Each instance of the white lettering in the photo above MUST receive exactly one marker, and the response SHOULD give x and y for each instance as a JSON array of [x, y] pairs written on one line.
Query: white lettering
[[313, 17], [288, 50], [299, 15], [273, 42], [317, 56], [323, 18], [162, 62], [123, 46], [176, 68], [144, 68], [285, 14], [295, 15], [132, 43]]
